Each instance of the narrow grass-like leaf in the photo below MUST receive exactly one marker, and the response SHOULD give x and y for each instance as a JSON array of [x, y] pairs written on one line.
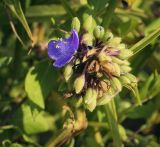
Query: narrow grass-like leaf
[[135, 92], [131, 12], [17, 10], [52, 10], [68, 8], [113, 124], [145, 41], [152, 26]]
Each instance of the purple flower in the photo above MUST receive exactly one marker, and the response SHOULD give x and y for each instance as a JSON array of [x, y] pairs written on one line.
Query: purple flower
[[63, 50]]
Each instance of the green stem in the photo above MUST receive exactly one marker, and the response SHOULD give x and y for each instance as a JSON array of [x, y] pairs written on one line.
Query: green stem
[[71, 130], [113, 125]]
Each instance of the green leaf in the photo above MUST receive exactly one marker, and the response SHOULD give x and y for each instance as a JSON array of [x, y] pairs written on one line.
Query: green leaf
[[113, 124], [31, 119], [5, 60], [150, 87], [98, 6], [39, 81], [18, 12], [136, 95], [152, 26], [68, 8], [128, 25], [33, 124], [109, 13], [145, 88], [144, 111], [15, 145], [8, 143], [53, 10], [145, 41]]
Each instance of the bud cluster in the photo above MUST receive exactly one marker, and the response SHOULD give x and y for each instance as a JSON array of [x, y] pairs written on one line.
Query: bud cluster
[[100, 67]]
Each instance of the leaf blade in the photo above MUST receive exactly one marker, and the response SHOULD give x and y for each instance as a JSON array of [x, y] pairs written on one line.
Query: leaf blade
[[145, 41], [113, 124]]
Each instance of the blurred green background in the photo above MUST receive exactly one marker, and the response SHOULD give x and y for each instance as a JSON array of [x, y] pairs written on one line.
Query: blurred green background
[[26, 26]]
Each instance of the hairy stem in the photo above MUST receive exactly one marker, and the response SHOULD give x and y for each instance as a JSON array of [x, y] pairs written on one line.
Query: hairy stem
[[70, 131]]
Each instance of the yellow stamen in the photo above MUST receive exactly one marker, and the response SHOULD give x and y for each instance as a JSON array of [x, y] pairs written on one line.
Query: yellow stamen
[[57, 46]]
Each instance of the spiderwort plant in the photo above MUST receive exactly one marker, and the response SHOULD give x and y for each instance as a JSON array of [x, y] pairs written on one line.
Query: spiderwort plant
[[95, 61]]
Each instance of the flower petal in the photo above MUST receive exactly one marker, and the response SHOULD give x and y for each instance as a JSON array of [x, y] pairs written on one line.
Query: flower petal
[[62, 50], [53, 51], [62, 61], [74, 40]]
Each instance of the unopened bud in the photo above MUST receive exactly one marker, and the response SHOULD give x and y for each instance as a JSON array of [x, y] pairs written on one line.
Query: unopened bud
[[88, 23], [79, 83], [131, 77], [125, 62], [125, 54], [75, 24], [103, 57], [115, 41], [99, 32], [105, 85], [117, 60], [116, 84], [90, 99], [121, 46], [99, 74], [116, 70], [125, 69], [107, 36], [124, 80], [87, 39], [110, 67], [88, 96], [122, 132], [106, 97], [68, 71]]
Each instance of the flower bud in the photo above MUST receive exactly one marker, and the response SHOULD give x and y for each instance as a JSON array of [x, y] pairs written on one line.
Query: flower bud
[[75, 24], [108, 67], [88, 23], [122, 132], [79, 83], [116, 70], [126, 62], [131, 77], [125, 54], [87, 39], [117, 60], [68, 71], [106, 97], [115, 41], [121, 46], [124, 80], [105, 85], [107, 36], [90, 99], [116, 84], [99, 32], [125, 69], [99, 74], [112, 68], [103, 57]]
